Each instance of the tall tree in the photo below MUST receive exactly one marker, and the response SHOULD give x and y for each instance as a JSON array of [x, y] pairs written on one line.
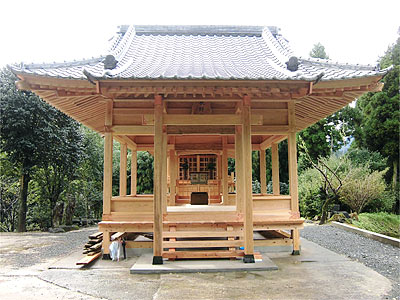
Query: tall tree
[[380, 117], [30, 135]]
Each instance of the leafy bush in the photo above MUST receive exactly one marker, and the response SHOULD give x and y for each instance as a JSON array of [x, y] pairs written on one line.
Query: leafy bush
[[283, 187], [361, 187]]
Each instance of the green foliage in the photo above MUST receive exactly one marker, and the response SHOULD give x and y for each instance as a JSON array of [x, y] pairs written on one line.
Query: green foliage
[[283, 188], [362, 157], [383, 223], [145, 171], [318, 51], [360, 186]]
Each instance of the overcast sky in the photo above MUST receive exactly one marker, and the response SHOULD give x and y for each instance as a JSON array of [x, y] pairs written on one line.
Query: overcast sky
[[47, 31]]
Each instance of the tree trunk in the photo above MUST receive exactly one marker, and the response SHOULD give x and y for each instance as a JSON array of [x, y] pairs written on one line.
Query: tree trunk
[[395, 174], [22, 202]]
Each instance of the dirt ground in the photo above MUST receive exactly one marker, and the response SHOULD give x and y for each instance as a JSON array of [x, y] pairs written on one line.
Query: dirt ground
[[42, 266]]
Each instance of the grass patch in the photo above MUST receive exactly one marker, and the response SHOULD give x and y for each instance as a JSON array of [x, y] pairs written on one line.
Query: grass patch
[[383, 223]]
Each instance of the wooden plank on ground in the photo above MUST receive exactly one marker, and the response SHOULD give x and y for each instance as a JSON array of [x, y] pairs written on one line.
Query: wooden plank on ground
[[88, 259], [96, 235]]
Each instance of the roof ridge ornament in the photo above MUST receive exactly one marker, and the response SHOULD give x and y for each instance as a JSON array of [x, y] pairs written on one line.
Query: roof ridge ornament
[[293, 64], [110, 62]]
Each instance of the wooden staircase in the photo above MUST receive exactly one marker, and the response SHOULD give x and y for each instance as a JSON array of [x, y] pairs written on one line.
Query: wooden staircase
[[203, 243]]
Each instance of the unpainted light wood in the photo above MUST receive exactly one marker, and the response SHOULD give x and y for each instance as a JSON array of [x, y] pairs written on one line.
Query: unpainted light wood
[[158, 165], [292, 155], [173, 176], [133, 172], [224, 170], [263, 172], [201, 234], [164, 171], [230, 119], [123, 169], [247, 174], [239, 169], [275, 169]]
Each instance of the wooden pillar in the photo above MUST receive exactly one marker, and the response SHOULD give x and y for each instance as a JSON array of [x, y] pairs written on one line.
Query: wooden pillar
[[247, 187], [219, 174], [239, 168], [263, 175], [123, 169], [224, 164], [108, 153], [134, 173], [275, 169], [164, 171], [107, 175], [173, 174], [158, 190], [293, 183]]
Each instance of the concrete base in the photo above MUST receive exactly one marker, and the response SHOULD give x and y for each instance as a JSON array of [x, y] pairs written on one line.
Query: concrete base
[[144, 266]]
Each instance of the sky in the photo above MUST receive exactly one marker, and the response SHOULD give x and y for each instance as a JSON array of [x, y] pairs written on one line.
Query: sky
[[46, 31]]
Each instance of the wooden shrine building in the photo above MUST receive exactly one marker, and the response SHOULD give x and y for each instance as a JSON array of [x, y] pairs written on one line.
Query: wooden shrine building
[[194, 96]]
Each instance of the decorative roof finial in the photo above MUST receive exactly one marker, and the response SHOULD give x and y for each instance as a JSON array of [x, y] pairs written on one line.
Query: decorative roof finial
[[110, 62], [293, 64]]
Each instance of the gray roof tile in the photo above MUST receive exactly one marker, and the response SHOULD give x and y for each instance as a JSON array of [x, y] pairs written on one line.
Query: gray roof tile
[[200, 52]]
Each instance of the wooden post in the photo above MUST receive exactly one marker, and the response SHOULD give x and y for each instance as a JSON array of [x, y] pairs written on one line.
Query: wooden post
[[275, 169], [293, 184], [239, 168], [219, 174], [247, 187], [164, 171], [173, 174], [108, 153], [158, 190], [263, 175], [123, 169], [134, 173], [107, 175], [224, 164]]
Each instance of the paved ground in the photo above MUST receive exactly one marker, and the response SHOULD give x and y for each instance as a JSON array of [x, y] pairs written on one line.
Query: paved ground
[[317, 273]]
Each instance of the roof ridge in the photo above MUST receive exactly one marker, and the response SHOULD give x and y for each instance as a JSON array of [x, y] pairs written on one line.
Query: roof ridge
[[331, 63], [73, 63], [241, 30]]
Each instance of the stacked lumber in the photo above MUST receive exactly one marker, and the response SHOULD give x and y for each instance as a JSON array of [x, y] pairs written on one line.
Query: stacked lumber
[[93, 246]]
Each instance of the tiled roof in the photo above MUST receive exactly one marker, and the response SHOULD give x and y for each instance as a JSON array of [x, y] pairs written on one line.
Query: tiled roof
[[200, 52]]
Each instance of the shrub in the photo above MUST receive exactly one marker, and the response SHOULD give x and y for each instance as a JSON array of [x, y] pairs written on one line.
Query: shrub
[[383, 223], [361, 187]]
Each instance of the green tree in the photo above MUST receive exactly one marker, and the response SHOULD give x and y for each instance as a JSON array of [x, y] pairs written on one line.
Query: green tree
[[380, 117], [32, 134], [318, 51]]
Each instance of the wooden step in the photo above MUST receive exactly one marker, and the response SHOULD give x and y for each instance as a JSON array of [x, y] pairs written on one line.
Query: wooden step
[[88, 259], [201, 234], [202, 244]]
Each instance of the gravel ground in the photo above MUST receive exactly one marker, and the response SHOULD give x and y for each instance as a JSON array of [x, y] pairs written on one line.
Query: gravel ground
[[27, 249], [382, 258]]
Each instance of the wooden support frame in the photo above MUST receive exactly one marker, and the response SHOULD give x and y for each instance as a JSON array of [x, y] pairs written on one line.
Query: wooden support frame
[[123, 169], [133, 172], [108, 155], [224, 170], [173, 169], [263, 172], [158, 176], [247, 181], [275, 169]]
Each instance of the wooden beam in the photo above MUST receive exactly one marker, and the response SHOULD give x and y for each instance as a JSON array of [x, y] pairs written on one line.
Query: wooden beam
[[225, 171], [124, 139], [263, 172], [157, 187], [269, 129], [198, 146], [229, 119], [275, 169], [247, 174], [134, 172], [133, 129], [201, 129], [123, 169]]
